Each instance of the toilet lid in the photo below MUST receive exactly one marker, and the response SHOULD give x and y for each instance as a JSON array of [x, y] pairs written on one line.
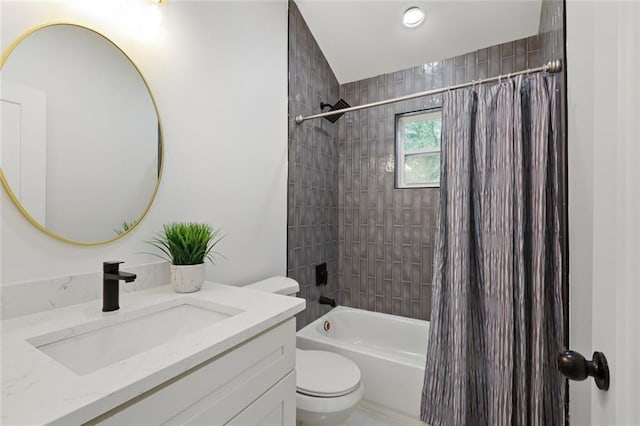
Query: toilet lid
[[325, 374]]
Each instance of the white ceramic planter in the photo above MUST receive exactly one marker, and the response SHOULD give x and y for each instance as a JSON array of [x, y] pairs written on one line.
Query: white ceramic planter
[[187, 278]]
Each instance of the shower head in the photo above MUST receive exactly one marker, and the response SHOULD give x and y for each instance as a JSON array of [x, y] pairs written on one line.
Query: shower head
[[341, 104]]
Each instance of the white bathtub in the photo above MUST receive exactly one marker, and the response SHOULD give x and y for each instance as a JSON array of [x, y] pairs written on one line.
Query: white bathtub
[[390, 351]]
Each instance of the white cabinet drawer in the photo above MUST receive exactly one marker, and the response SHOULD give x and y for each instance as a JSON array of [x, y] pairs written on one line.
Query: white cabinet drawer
[[277, 407], [221, 387]]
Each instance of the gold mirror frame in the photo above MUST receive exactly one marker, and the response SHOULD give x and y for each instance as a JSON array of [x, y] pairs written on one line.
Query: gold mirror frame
[[5, 183]]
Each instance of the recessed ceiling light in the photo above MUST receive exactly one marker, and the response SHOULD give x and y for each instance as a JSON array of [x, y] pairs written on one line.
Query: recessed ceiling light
[[412, 17]]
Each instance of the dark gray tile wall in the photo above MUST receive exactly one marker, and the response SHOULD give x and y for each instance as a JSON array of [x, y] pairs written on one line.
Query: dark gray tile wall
[[551, 31], [313, 170], [552, 46], [386, 235]]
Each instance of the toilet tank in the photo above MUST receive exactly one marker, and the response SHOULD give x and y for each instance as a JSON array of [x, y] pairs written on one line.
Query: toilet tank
[[276, 285]]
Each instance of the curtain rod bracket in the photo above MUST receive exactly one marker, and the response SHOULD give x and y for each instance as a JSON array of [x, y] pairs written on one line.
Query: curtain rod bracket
[[554, 66]]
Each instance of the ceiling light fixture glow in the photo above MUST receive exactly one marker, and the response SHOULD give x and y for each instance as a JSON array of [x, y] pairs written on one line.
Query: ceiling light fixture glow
[[412, 17]]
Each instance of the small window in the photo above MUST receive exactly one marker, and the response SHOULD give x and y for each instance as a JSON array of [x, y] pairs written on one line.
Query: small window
[[418, 149]]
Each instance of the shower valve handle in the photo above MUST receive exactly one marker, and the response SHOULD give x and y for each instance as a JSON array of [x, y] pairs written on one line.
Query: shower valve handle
[[574, 366]]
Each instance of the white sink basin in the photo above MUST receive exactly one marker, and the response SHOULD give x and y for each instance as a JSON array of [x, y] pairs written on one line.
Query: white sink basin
[[97, 344]]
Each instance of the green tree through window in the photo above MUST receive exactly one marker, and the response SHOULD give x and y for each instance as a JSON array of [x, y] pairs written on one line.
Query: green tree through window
[[422, 134], [418, 149]]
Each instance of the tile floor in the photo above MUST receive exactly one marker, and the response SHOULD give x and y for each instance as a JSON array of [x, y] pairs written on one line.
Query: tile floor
[[370, 414]]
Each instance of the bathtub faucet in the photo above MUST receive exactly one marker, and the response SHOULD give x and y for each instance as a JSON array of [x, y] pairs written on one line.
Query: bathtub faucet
[[326, 301]]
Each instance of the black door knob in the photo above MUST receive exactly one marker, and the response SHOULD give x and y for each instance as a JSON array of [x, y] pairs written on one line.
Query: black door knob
[[575, 367]]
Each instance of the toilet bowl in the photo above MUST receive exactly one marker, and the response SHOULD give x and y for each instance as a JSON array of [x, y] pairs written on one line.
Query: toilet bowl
[[328, 385]]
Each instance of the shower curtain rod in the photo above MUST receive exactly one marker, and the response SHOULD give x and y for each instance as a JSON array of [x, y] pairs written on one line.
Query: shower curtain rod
[[551, 67]]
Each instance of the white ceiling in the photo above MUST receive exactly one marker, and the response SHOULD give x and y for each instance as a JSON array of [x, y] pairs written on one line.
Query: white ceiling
[[365, 38]]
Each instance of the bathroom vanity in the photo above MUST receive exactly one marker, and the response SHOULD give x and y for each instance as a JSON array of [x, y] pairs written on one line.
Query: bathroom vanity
[[223, 355]]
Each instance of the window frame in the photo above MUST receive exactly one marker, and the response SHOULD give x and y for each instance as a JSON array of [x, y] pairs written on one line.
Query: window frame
[[401, 153]]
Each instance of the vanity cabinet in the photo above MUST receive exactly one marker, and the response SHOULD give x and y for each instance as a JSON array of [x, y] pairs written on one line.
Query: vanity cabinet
[[276, 407], [250, 383]]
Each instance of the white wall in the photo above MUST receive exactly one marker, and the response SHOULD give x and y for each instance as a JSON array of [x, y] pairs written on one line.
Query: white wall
[[218, 71]]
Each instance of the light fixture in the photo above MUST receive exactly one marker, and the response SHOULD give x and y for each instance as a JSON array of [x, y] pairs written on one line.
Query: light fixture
[[413, 17]]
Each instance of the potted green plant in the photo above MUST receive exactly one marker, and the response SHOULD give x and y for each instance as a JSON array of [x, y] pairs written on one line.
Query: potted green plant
[[187, 245]]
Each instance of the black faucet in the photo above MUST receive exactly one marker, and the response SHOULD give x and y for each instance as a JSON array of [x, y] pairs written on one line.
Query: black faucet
[[110, 289], [326, 301]]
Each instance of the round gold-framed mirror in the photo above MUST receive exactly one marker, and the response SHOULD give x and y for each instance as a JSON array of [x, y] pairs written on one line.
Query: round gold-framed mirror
[[81, 147]]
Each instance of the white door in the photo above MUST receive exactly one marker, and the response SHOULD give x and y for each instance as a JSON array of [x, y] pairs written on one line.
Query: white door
[[603, 63], [23, 151]]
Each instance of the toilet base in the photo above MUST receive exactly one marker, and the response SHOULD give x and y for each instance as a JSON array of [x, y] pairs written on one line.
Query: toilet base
[[316, 411], [307, 418]]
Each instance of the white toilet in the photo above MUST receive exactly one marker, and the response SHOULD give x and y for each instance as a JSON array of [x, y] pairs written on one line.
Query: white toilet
[[328, 385]]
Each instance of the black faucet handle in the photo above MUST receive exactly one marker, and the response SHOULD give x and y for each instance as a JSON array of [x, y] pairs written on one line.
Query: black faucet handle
[[111, 265]]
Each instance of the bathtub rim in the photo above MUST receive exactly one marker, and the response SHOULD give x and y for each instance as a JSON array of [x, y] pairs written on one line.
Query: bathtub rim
[[310, 332]]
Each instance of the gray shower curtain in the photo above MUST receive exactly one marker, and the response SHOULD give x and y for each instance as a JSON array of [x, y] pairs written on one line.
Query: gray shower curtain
[[496, 321]]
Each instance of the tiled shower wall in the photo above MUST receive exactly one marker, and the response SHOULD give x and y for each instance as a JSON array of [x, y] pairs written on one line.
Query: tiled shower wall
[[312, 224], [386, 235], [343, 207], [552, 46], [551, 31]]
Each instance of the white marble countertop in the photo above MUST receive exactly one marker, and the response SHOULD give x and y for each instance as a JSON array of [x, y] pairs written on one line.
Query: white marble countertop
[[36, 389]]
